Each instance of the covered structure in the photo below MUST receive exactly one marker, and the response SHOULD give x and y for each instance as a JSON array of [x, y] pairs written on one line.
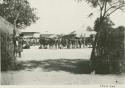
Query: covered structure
[[31, 37], [30, 34], [46, 35]]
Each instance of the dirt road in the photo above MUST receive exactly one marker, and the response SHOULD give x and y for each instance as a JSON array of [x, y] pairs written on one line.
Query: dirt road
[[56, 67]]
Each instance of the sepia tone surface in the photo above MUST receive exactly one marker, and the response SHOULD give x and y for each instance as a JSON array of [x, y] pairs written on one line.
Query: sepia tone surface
[[68, 44], [56, 67]]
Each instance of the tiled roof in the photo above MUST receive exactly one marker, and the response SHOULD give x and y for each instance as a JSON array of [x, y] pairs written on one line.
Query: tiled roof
[[29, 32], [46, 35]]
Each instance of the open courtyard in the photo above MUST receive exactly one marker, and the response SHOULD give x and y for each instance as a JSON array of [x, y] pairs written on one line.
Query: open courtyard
[[56, 67]]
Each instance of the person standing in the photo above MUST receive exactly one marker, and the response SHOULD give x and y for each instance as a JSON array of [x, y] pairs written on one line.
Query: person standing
[[20, 44]]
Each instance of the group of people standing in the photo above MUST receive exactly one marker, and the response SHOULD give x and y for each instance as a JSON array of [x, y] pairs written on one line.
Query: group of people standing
[[18, 45], [55, 43], [65, 43]]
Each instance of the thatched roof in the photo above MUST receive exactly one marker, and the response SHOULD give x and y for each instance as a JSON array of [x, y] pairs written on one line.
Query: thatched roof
[[5, 26]]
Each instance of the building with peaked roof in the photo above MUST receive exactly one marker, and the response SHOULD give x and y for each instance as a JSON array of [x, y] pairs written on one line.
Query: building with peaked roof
[[30, 34], [46, 35]]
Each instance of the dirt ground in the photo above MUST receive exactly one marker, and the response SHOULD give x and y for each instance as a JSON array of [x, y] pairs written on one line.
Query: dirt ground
[[56, 67]]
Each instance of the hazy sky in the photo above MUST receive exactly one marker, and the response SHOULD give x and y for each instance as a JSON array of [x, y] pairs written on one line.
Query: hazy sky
[[64, 16]]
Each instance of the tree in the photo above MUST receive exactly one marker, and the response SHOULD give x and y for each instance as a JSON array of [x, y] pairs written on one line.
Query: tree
[[103, 24], [19, 13], [89, 29], [106, 7]]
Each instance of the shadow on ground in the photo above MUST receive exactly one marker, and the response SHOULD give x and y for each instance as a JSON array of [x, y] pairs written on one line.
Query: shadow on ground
[[78, 66]]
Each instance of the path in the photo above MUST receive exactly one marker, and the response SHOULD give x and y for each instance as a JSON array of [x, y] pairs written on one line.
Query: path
[[42, 54]]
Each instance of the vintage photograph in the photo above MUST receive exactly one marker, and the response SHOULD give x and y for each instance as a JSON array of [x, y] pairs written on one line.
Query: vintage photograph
[[62, 42]]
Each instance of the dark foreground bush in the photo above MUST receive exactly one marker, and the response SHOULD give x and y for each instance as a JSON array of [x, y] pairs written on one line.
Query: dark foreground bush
[[6, 51], [112, 58]]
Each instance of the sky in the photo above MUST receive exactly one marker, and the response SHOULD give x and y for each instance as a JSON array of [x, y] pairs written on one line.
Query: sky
[[65, 16]]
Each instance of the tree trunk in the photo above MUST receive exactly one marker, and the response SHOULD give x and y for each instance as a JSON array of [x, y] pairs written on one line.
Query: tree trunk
[[14, 42]]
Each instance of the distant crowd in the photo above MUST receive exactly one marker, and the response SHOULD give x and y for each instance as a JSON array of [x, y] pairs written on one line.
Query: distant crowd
[[65, 43], [52, 43]]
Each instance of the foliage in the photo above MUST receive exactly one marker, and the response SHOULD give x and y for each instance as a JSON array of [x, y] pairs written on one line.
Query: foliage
[[121, 27], [106, 7], [19, 11], [103, 24], [102, 48], [89, 28]]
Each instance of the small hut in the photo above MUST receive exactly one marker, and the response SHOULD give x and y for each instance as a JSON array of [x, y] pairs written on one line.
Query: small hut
[[7, 47]]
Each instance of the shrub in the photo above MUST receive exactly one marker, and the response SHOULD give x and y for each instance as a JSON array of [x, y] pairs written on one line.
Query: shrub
[[6, 51]]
